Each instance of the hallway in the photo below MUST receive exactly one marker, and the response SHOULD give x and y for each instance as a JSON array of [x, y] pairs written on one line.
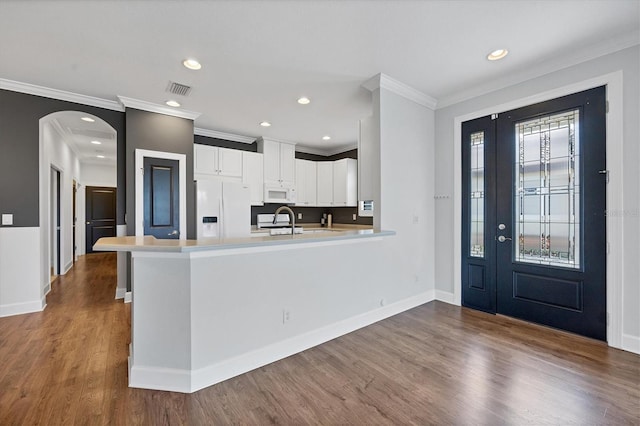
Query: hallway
[[433, 364]]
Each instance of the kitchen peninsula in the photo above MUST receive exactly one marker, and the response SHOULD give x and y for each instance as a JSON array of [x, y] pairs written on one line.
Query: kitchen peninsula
[[206, 310]]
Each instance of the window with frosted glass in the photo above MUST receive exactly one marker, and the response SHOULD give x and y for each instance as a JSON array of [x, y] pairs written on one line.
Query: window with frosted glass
[[477, 195], [548, 190]]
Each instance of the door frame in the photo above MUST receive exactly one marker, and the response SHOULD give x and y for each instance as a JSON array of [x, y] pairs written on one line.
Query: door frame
[[615, 235], [141, 154]]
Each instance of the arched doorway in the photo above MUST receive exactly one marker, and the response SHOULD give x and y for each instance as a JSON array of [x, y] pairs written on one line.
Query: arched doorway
[[76, 150]]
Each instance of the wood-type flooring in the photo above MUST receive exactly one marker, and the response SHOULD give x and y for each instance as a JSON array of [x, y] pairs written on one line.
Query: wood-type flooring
[[435, 364]]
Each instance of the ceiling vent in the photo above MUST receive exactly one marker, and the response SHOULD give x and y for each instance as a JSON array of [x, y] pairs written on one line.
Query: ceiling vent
[[178, 89]]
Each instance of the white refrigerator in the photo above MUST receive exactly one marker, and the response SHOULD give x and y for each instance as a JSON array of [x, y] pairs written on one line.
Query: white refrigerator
[[223, 209]]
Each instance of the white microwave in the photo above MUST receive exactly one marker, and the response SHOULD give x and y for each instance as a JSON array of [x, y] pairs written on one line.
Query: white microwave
[[279, 194]]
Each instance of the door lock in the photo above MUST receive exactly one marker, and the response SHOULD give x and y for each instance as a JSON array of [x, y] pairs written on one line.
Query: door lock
[[502, 238], [502, 227]]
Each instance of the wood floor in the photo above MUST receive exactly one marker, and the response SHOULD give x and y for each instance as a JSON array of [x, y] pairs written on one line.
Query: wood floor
[[436, 364]]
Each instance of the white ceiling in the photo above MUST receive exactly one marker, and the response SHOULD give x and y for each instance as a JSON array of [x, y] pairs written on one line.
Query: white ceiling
[[259, 56], [80, 134]]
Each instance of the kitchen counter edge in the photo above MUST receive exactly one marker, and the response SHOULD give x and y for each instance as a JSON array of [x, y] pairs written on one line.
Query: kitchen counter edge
[[149, 243]]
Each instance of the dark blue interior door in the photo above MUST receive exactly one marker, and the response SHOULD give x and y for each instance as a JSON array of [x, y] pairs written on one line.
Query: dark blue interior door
[[548, 226], [161, 198]]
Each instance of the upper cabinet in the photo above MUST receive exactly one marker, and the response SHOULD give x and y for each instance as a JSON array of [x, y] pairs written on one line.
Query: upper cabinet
[[306, 183], [345, 188], [252, 176], [215, 161], [325, 183], [279, 162]]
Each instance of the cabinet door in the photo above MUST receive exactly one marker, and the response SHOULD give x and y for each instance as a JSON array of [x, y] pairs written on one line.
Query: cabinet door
[[253, 177], [301, 183], [310, 181], [345, 189], [205, 159], [325, 183], [287, 164], [230, 162], [271, 153]]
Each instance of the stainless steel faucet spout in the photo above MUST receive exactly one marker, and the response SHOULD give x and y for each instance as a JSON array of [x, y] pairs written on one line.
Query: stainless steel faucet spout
[[291, 215]]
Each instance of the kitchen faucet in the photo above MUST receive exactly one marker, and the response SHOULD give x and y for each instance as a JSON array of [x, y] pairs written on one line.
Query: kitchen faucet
[[291, 214]]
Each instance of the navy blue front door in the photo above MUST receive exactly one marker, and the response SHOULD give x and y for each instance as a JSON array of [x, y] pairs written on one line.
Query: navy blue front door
[[534, 200]]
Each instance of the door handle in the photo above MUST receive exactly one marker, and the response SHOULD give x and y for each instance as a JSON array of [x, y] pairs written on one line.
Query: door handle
[[175, 232], [502, 238]]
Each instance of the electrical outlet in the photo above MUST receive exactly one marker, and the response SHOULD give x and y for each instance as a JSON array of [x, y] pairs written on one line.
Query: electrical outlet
[[286, 316], [299, 216], [355, 217]]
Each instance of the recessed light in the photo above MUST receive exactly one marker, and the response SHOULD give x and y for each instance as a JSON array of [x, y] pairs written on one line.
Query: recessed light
[[96, 142], [497, 54], [326, 138], [304, 101], [265, 124], [88, 119], [173, 103], [100, 156], [192, 64]]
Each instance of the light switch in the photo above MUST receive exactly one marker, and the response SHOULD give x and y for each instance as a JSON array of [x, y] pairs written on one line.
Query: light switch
[[7, 219]]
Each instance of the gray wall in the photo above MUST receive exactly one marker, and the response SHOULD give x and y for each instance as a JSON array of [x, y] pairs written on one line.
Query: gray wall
[[158, 132], [20, 115], [628, 61]]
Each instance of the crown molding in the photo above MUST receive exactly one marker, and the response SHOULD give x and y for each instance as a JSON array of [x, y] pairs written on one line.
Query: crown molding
[[326, 152], [46, 92], [222, 135], [275, 140], [385, 82], [578, 56], [160, 109]]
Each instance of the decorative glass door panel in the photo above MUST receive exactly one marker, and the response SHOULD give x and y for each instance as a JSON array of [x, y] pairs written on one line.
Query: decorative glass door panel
[[547, 193]]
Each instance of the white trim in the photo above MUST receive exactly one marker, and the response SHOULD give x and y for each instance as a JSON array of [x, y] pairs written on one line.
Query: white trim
[[399, 88], [67, 267], [615, 235], [127, 297], [223, 135], [23, 308], [62, 95], [120, 293], [445, 296], [631, 343], [187, 382], [46, 289], [141, 154], [160, 109], [268, 139], [327, 152]]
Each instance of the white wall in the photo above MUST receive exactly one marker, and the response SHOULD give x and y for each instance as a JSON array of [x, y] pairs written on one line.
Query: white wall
[[406, 187], [628, 217]]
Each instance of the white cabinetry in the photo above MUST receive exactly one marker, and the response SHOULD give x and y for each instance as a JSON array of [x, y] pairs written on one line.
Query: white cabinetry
[[345, 188], [337, 183], [306, 183], [252, 176], [325, 183], [215, 161], [279, 162]]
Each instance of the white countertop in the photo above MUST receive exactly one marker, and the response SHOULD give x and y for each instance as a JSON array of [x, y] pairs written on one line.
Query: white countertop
[[151, 244]]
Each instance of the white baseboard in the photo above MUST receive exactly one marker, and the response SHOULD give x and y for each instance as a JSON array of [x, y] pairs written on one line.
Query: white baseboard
[[23, 308], [444, 296], [46, 289], [631, 343], [121, 293], [185, 381], [127, 297], [67, 267]]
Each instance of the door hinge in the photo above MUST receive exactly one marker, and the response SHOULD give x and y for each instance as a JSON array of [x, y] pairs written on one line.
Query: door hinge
[[606, 173], [607, 107], [494, 116]]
